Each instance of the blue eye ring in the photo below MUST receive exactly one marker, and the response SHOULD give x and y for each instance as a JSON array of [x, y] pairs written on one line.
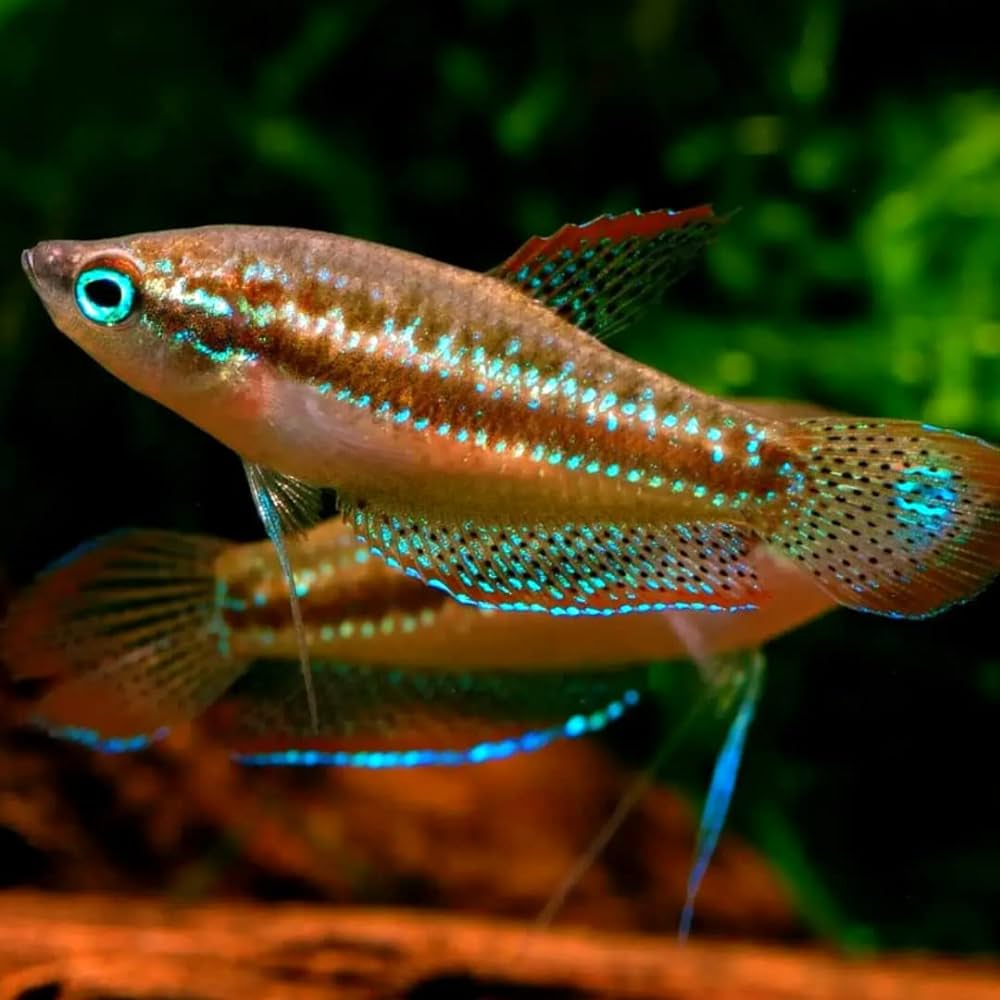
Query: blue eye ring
[[105, 295]]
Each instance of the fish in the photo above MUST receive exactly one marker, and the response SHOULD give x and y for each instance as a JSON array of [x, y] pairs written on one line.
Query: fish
[[142, 630], [481, 435]]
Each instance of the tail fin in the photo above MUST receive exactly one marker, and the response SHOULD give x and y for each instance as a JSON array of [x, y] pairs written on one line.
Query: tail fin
[[897, 518], [128, 630]]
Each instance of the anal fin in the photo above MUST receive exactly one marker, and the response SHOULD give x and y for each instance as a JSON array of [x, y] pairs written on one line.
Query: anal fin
[[571, 569], [376, 717]]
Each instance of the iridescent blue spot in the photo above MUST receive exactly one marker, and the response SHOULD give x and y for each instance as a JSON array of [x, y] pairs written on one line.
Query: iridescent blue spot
[[612, 470], [717, 454], [593, 467], [925, 510], [713, 434], [692, 425], [670, 420], [634, 475], [444, 429], [629, 409]]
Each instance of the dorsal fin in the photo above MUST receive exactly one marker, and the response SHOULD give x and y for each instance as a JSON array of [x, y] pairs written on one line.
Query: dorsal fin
[[601, 275]]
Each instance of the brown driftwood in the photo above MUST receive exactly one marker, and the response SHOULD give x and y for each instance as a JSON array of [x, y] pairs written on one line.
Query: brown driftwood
[[182, 820], [89, 947]]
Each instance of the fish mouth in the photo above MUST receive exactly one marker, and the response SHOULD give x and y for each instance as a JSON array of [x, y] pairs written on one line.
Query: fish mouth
[[29, 268]]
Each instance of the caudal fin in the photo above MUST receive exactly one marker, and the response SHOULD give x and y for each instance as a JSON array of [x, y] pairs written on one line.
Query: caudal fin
[[127, 632], [897, 518]]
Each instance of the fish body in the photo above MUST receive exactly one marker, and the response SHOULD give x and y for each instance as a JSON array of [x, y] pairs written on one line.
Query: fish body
[[358, 610], [400, 380], [139, 631], [483, 439], [143, 630]]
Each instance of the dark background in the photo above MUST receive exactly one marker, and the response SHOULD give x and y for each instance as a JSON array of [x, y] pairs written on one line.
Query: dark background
[[861, 142]]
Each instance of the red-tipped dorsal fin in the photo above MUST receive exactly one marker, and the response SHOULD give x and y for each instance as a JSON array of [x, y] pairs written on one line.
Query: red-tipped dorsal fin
[[602, 274]]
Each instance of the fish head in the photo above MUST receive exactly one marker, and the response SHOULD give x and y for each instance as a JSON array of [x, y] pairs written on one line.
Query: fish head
[[164, 312]]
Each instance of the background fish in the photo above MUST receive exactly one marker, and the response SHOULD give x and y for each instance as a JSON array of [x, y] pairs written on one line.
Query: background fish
[[140, 631]]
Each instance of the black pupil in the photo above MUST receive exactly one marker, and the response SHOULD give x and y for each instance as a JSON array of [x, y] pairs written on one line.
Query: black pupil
[[104, 292]]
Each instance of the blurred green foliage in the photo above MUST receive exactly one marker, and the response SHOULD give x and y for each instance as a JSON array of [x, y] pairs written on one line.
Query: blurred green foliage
[[861, 145]]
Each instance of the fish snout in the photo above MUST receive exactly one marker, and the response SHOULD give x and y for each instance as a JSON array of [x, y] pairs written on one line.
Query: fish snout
[[50, 264]]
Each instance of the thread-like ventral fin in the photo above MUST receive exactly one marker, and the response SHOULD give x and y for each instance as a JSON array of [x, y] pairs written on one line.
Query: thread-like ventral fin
[[287, 506], [744, 671], [601, 275], [295, 504]]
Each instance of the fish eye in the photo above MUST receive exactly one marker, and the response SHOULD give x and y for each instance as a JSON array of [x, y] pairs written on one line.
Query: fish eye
[[105, 295]]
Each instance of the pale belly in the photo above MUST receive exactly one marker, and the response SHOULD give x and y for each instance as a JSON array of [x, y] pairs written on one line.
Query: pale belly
[[365, 456]]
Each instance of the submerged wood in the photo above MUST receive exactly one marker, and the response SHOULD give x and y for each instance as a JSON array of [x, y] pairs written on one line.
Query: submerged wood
[[117, 948]]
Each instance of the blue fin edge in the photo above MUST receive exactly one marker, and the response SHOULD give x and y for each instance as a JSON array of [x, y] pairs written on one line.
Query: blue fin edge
[[480, 753]]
